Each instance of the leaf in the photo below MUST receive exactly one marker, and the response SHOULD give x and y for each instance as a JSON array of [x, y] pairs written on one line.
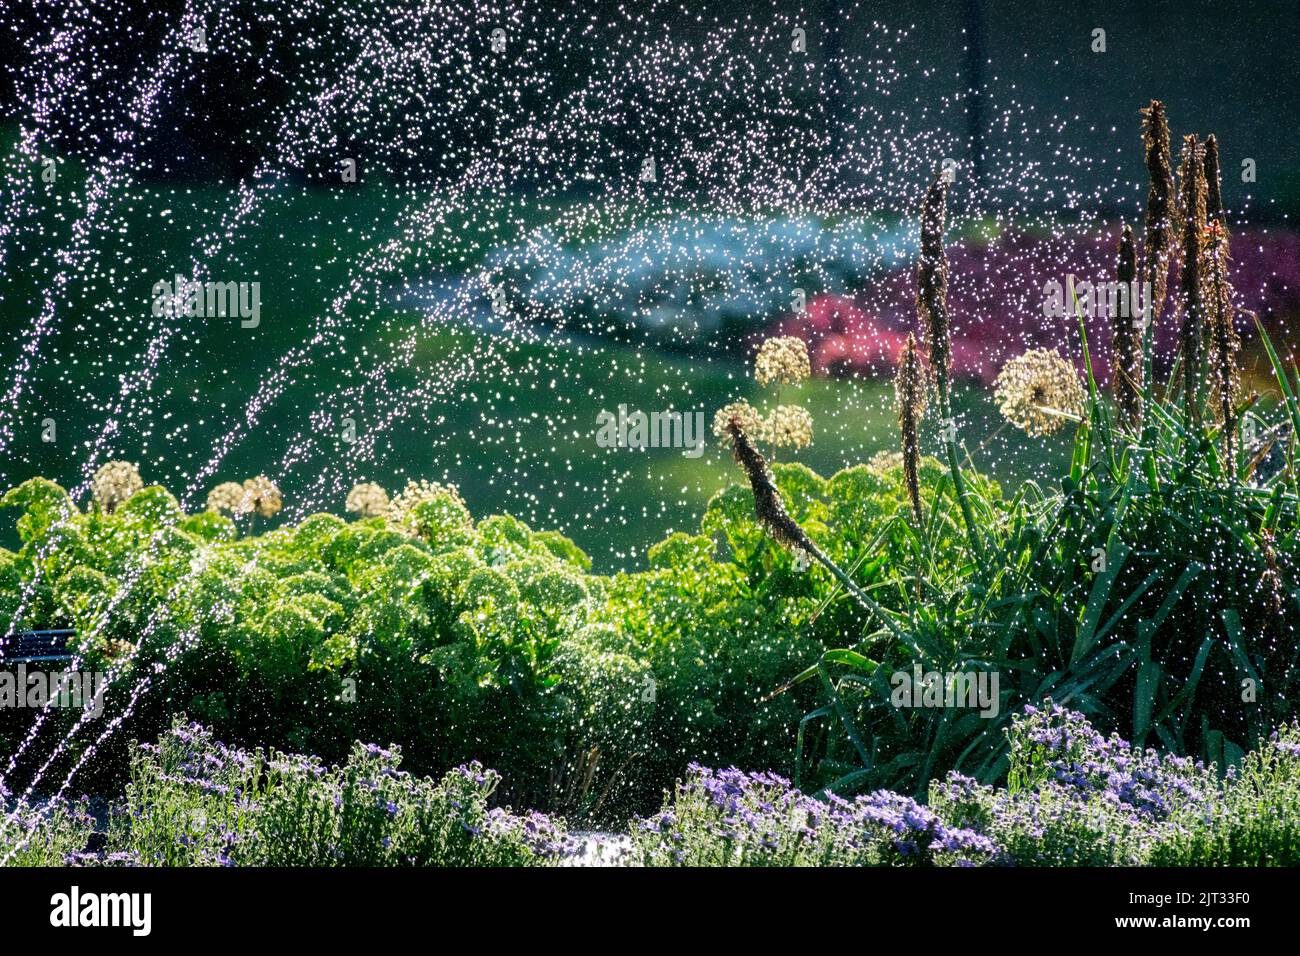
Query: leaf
[[1116, 554], [1148, 681], [849, 658]]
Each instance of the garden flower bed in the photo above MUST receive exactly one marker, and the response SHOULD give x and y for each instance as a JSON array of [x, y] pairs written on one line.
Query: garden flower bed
[[1078, 799], [1151, 589]]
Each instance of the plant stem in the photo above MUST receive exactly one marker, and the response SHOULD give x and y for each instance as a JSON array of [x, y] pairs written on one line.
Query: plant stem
[[859, 595], [958, 481]]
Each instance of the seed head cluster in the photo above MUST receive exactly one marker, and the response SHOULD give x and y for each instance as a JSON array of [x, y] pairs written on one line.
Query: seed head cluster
[[259, 494], [789, 426], [745, 414], [262, 496], [782, 360], [1032, 388], [114, 483], [226, 498], [368, 499], [417, 493]]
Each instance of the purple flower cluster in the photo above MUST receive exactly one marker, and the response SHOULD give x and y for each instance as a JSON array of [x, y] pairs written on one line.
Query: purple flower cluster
[[195, 801], [731, 816], [537, 831], [102, 858], [1059, 745], [476, 774], [42, 832], [912, 829]]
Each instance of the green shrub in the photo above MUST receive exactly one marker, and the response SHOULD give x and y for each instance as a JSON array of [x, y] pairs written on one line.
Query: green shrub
[[478, 643], [1256, 823]]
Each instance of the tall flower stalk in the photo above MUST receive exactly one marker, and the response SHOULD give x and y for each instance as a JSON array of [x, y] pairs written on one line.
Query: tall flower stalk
[[1127, 337], [1157, 251], [910, 392], [1158, 240], [1225, 377], [932, 311], [1192, 284]]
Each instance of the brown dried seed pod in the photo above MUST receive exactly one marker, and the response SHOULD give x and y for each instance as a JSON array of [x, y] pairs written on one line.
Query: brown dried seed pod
[[768, 507], [1192, 286], [1158, 247], [932, 278], [1220, 315], [1127, 337]]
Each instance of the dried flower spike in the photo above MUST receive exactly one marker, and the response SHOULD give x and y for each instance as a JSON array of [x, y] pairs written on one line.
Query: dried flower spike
[[1220, 315], [1213, 183], [1158, 246], [751, 422], [772, 516], [909, 392], [1128, 336], [932, 279], [1192, 291], [932, 310], [768, 507]]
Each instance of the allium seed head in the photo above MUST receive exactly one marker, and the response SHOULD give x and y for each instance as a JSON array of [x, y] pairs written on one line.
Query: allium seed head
[[114, 483], [227, 498], [1032, 388], [789, 426], [262, 495], [885, 461], [367, 499], [750, 421], [783, 360], [401, 508]]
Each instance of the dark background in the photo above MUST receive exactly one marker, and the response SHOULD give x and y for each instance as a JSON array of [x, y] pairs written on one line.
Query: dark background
[[1231, 68]]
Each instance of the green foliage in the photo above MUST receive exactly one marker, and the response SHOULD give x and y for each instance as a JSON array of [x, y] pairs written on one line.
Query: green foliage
[[1142, 591], [1154, 591], [1256, 823], [485, 641], [462, 642]]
